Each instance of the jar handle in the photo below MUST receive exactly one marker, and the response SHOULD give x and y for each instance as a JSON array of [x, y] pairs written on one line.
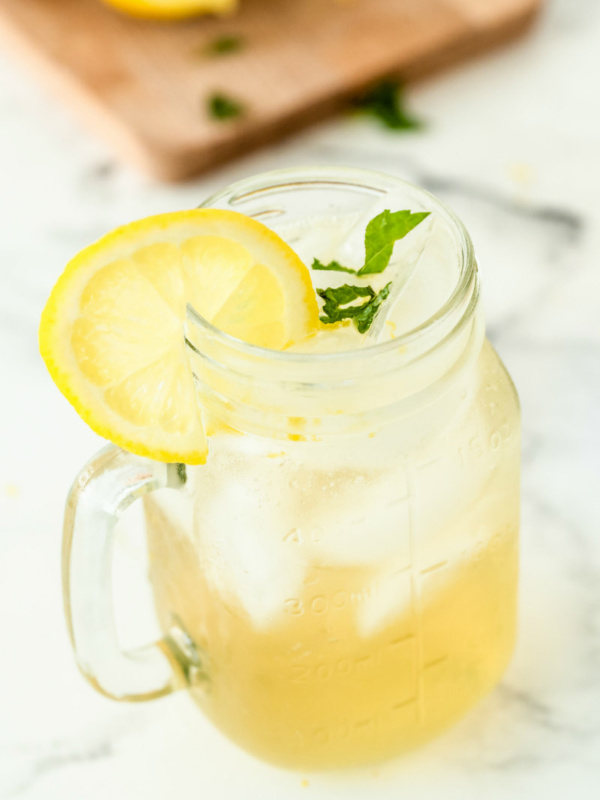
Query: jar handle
[[106, 486]]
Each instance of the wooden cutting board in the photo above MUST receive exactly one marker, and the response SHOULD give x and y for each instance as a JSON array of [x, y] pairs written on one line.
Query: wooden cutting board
[[145, 85]]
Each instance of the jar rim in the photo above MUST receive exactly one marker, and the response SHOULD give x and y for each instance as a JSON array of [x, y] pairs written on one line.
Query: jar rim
[[354, 179]]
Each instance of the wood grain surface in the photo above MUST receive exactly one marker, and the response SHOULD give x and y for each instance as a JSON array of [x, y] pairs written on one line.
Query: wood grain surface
[[144, 85]]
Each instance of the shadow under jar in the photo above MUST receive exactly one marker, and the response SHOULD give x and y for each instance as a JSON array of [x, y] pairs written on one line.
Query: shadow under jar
[[337, 584]]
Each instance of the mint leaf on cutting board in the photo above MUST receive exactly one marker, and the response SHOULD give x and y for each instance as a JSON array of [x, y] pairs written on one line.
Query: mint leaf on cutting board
[[224, 45], [386, 102], [222, 107]]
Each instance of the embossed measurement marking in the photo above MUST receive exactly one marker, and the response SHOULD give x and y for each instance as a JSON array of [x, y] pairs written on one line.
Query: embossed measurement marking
[[416, 573], [435, 663], [434, 567], [404, 704]]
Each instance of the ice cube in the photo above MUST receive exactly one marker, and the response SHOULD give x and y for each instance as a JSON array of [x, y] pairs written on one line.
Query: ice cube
[[404, 264], [356, 517], [431, 281], [390, 598], [317, 237], [242, 520]]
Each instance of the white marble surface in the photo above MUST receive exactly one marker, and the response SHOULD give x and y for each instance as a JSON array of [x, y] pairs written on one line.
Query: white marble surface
[[513, 143]]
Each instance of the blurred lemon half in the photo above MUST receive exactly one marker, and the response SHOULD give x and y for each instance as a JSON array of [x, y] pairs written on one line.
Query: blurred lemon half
[[111, 333], [172, 9]]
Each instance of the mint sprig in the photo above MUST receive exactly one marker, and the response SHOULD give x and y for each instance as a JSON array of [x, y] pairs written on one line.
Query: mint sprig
[[364, 320], [386, 102], [382, 232], [222, 107], [224, 45], [337, 302], [337, 305]]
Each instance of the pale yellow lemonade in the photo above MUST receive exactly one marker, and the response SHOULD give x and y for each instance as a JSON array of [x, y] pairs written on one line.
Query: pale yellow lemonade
[[334, 562], [348, 598]]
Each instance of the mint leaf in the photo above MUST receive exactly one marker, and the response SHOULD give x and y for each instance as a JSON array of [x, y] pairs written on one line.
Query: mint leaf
[[181, 473], [333, 266], [224, 45], [221, 107], [337, 302], [385, 102], [364, 319], [381, 234]]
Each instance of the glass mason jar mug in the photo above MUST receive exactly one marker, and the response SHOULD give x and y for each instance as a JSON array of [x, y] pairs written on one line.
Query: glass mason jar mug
[[338, 582]]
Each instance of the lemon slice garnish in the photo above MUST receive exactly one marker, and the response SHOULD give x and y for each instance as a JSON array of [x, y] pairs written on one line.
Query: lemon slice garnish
[[111, 333]]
